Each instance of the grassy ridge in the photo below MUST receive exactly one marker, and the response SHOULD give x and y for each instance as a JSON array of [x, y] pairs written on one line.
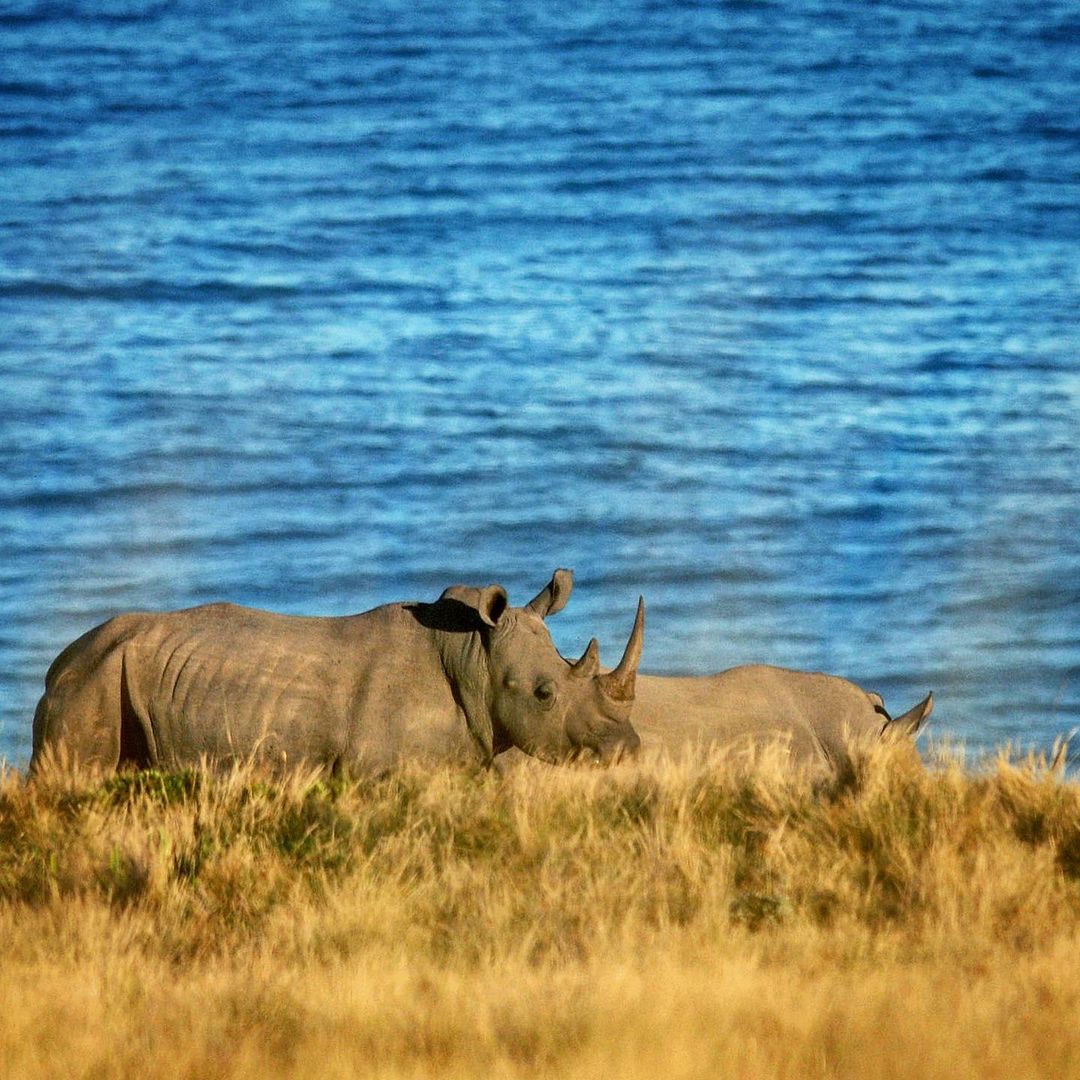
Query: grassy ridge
[[676, 921]]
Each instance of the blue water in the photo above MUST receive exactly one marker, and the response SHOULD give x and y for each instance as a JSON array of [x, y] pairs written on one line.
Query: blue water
[[767, 310]]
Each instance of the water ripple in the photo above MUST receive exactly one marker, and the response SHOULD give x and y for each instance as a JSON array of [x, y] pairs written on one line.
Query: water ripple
[[764, 310]]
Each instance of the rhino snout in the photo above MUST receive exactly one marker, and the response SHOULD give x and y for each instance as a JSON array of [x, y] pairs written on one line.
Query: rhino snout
[[618, 745]]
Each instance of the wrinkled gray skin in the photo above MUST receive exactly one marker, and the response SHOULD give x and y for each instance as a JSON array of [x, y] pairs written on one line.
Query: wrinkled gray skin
[[457, 680], [816, 716]]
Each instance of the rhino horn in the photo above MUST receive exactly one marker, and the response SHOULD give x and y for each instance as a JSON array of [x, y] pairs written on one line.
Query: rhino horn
[[619, 684], [589, 663]]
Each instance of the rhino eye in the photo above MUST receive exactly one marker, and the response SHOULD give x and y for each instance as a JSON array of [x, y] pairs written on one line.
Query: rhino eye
[[545, 693]]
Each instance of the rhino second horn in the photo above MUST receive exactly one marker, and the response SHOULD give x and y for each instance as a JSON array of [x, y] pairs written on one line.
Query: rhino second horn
[[619, 684], [589, 664]]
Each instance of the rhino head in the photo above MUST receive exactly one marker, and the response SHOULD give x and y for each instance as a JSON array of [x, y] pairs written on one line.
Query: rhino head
[[538, 701]]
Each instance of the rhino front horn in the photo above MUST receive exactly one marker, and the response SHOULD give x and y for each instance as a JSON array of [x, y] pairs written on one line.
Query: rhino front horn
[[619, 684]]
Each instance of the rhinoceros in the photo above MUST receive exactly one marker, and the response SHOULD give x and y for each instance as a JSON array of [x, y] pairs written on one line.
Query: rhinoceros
[[816, 716], [462, 678]]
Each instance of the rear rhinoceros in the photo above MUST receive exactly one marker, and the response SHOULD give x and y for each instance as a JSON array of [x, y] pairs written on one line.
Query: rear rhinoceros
[[459, 679], [816, 717]]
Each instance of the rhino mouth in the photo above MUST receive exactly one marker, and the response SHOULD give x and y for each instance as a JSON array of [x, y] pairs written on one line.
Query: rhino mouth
[[609, 750], [621, 747], [618, 746]]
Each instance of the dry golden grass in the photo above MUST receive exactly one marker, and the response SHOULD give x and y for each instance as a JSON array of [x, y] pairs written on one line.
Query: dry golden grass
[[686, 920]]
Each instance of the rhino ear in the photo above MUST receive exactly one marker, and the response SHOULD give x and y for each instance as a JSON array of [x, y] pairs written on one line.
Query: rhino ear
[[914, 720], [489, 602], [552, 598]]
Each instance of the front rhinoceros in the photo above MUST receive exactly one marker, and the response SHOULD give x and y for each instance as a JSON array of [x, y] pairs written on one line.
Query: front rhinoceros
[[459, 679]]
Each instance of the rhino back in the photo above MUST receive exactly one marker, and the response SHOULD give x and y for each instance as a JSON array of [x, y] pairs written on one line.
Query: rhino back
[[227, 681]]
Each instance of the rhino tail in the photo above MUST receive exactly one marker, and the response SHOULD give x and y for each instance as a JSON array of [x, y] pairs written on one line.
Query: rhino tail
[[909, 724], [86, 715]]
